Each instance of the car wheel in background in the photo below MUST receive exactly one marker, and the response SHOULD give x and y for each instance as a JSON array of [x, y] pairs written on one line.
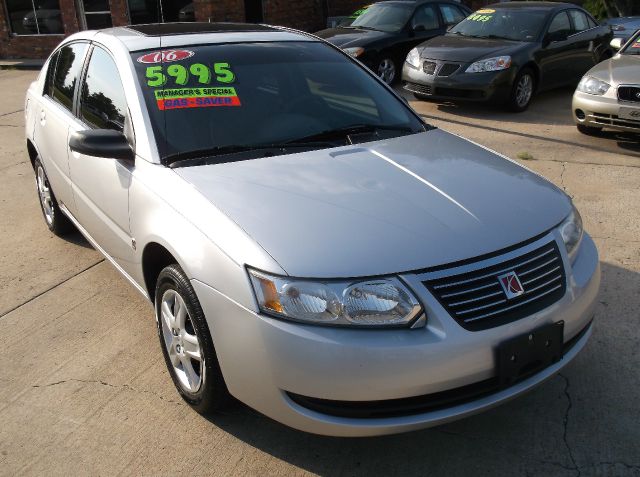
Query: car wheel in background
[[588, 130], [186, 343], [421, 97], [56, 221], [522, 90], [386, 70]]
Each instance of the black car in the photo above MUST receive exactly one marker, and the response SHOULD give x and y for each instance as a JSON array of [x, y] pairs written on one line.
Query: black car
[[382, 35], [506, 52]]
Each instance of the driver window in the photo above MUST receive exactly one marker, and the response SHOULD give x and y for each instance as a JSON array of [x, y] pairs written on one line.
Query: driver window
[[103, 104], [425, 18], [580, 22], [451, 14], [560, 26]]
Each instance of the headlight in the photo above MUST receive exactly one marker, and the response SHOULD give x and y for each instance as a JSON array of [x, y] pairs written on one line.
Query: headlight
[[413, 58], [490, 64], [358, 303], [355, 51], [591, 85], [571, 232]]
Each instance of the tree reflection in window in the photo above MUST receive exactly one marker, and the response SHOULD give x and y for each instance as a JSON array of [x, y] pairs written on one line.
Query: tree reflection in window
[[103, 104]]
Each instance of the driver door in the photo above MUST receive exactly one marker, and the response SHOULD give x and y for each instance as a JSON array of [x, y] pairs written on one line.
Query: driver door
[[101, 185]]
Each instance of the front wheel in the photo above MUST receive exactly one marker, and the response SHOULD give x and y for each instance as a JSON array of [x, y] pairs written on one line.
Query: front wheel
[[186, 343], [386, 70], [522, 91]]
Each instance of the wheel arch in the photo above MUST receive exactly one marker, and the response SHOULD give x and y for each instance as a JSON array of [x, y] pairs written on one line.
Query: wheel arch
[[536, 72], [155, 257], [33, 153]]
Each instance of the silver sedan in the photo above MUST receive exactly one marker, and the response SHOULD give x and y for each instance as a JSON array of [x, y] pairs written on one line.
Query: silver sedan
[[310, 246], [608, 95]]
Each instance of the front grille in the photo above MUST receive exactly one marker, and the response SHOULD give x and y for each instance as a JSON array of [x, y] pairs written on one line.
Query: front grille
[[629, 93], [418, 88], [448, 69], [476, 299], [614, 120], [416, 404], [429, 67]]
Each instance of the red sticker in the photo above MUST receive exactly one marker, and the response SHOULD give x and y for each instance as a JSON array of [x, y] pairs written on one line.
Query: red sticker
[[165, 56], [198, 102], [636, 45]]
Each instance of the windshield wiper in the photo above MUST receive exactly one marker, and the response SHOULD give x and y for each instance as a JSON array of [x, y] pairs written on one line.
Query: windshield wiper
[[346, 131], [494, 37], [207, 156]]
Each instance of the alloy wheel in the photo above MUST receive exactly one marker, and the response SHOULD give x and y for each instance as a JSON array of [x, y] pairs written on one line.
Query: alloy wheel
[[44, 192], [181, 341], [387, 70], [524, 90]]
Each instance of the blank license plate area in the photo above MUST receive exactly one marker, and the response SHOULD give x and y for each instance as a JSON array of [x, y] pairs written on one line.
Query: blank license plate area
[[527, 354], [629, 113]]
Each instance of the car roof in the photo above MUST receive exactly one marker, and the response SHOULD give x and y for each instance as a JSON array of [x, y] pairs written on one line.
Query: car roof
[[533, 5], [170, 35]]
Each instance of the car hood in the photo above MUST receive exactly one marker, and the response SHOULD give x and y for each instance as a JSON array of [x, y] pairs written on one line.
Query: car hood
[[382, 207], [465, 49], [621, 69], [349, 37]]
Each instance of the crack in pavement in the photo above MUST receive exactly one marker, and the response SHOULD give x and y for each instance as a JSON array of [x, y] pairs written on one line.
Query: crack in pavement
[[110, 385], [564, 188], [50, 288], [565, 421], [12, 112]]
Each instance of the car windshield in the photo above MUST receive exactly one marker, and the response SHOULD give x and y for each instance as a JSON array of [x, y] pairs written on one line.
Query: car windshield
[[388, 17], [508, 23], [210, 99], [633, 48]]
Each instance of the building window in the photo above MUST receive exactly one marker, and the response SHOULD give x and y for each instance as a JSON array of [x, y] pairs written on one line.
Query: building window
[[161, 11], [94, 14], [34, 17]]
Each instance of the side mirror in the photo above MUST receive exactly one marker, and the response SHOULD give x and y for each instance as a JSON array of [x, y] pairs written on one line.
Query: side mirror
[[556, 36], [102, 143], [616, 43], [419, 28]]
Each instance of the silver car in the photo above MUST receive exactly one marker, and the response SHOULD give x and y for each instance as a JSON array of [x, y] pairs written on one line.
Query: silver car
[[310, 246], [608, 95]]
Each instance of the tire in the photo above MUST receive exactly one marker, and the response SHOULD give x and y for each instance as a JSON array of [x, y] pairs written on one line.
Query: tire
[[588, 130], [199, 382], [56, 221], [522, 90], [387, 70]]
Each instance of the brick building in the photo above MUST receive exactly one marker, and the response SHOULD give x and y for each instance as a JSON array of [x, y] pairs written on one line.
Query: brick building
[[32, 28]]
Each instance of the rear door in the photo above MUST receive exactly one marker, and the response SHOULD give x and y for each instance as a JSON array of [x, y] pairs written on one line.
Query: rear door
[[557, 58], [54, 117], [101, 185], [585, 39]]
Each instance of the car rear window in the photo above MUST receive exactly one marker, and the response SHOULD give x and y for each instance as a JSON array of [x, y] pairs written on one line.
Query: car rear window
[[208, 96]]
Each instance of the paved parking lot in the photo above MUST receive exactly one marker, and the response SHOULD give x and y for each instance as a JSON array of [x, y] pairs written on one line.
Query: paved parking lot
[[84, 389]]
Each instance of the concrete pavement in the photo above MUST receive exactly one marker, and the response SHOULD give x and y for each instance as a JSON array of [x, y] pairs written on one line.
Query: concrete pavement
[[84, 389]]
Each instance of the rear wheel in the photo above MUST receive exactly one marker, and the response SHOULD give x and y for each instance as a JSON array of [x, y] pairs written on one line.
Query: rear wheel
[[186, 343], [56, 221], [588, 130], [386, 70], [421, 97], [522, 90]]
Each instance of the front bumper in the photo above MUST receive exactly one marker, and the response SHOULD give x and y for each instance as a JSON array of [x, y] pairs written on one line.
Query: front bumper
[[487, 86], [266, 361], [603, 111]]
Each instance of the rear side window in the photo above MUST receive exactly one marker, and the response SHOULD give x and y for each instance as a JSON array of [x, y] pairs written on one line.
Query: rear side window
[[451, 14], [51, 69], [66, 74], [580, 21], [425, 18], [102, 101]]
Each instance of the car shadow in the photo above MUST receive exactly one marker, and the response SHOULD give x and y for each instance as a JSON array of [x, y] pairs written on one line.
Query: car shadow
[[77, 238], [526, 436]]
